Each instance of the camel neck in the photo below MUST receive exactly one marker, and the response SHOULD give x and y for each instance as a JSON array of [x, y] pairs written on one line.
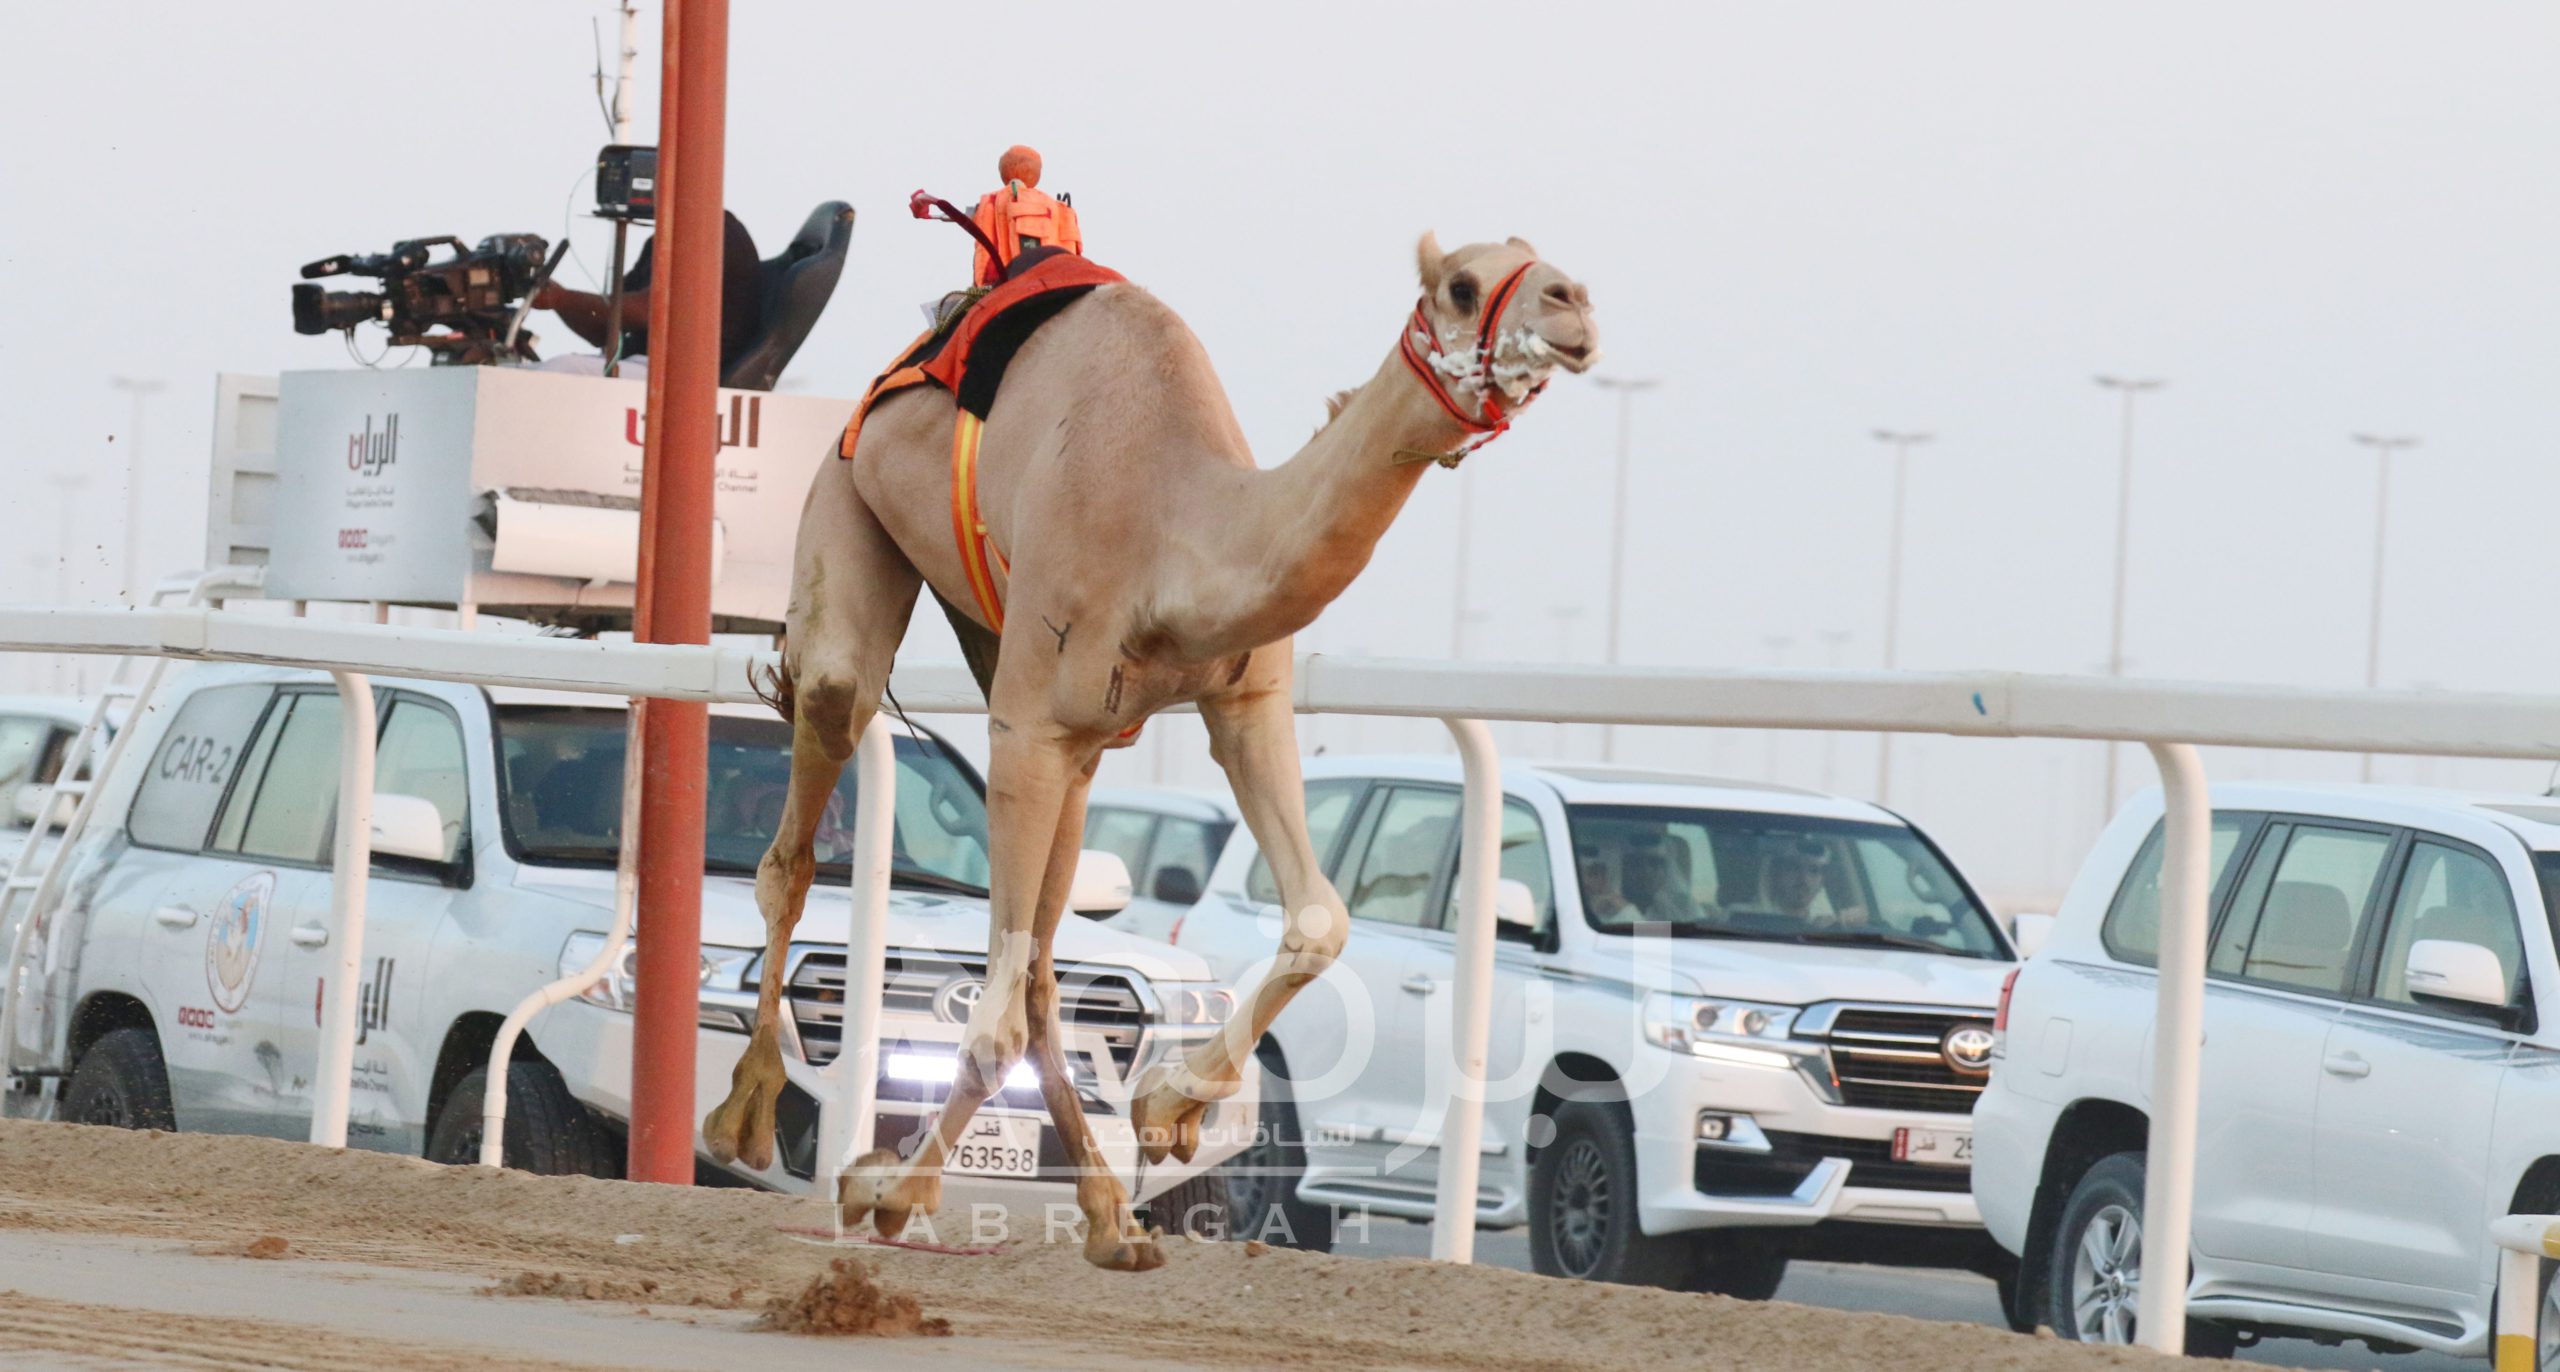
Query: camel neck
[[1311, 523]]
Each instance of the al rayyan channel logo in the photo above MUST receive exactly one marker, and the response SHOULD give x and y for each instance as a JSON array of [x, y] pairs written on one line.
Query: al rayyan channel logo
[[231, 945]]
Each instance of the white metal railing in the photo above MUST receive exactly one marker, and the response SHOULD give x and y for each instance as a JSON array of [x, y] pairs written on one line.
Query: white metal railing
[[2523, 1242], [2172, 717]]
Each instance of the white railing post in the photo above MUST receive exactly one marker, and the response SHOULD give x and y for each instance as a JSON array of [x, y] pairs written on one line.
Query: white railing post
[[626, 899], [2177, 1045], [853, 1079], [1453, 1228], [2523, 1242], [350, 867]]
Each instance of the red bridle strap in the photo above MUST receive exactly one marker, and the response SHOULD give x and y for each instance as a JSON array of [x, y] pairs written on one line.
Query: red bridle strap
[[1493, 420]]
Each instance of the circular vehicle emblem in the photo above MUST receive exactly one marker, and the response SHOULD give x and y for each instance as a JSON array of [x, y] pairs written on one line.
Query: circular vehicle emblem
[[1967, 1048], [955, 998], [232, 943]]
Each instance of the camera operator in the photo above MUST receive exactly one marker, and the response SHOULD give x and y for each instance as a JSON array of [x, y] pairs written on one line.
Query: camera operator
[[741, 305]]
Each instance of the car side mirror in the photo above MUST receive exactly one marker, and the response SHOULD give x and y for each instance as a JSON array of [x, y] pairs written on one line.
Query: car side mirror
[[2029, 932], [407, 827], [1177, 886], [1515, 906], [1101, 885], [2444, 969]]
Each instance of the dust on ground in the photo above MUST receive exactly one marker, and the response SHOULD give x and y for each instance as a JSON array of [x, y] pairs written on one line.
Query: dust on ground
[[1210, 1304], [845, 1300]]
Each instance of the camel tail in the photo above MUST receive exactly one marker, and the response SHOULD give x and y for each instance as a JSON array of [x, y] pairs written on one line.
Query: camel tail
[[773, 687]]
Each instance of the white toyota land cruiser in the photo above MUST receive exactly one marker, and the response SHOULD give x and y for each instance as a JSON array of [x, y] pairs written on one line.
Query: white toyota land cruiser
[[1732, 1024], [175, 983], [2380, 1076]]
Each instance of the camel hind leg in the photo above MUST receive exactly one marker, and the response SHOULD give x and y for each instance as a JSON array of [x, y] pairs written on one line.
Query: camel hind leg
[[1254, 738], [852, 592]]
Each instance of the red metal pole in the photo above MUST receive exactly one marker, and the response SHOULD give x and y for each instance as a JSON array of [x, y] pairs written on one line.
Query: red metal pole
[[674, 595]]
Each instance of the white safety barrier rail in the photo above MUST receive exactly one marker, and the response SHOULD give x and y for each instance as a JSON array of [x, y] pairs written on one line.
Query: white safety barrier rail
[[2523, 1242], [2171, 717]]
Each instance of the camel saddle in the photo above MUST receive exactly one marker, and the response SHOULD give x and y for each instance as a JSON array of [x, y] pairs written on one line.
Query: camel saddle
[[966, 353]]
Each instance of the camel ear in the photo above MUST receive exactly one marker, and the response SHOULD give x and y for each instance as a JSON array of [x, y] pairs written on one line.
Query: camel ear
[[1432, 262], [1523, 245]]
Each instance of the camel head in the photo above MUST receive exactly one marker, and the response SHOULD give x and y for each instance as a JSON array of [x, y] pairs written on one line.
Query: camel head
[[1545, 321]]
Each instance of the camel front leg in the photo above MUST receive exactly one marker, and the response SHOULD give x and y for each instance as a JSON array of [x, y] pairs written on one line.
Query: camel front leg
[[1027, 783], [1253, 736]]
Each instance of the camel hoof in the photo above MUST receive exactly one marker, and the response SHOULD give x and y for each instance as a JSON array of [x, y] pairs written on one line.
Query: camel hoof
[[1166, 1121], [876, 1185], [1127, 1256], [741, 1128]]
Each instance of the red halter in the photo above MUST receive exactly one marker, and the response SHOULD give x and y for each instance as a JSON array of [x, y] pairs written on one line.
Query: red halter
[[1495, 419]]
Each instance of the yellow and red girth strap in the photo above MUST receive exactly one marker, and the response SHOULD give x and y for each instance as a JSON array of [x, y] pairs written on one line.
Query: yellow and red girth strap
[[968, 359], [1495, 420]]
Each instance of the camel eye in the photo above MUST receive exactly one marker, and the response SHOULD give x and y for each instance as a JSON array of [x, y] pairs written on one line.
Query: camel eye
[[1462, 293]]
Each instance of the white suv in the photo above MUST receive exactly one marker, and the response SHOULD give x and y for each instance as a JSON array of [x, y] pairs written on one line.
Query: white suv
[[2381, 1073], [1732, 1024], [175, 985]]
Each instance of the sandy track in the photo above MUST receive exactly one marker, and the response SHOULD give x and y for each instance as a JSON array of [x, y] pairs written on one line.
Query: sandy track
[[1211, 1304]]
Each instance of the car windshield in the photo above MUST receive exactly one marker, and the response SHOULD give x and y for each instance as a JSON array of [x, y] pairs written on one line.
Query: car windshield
[[1776, 878], [560, 774]]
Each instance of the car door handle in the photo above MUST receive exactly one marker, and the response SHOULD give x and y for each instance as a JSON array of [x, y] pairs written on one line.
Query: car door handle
[[1420, 984], [2346, 1065], [174, 916], [310, 935]]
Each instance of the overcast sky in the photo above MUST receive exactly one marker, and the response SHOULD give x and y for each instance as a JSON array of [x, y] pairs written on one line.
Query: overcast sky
[[1807, 220]]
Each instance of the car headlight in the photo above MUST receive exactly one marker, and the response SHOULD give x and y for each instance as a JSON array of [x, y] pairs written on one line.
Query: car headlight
[[723, 969], [1715, 1027], [1189, 1005]]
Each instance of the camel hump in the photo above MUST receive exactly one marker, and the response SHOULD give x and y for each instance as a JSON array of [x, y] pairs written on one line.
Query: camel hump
[[1020, 163]]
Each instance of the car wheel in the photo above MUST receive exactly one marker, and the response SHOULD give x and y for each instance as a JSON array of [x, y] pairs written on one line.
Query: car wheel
[[1582, 1204], [1200, 1207], [1262, 1181], [1746, 1268], [2093, 1277], [548, 1131], [122, 1083]]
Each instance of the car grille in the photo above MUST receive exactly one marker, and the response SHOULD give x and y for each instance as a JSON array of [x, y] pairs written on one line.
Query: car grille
[[1891, 1060], [1101, 1002]]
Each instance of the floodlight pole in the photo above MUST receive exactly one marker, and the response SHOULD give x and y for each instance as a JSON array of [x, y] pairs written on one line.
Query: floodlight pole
[[130, 581], [673, 604], [1626, 389], [1902, 441], [2383, 447], [2132, 389]]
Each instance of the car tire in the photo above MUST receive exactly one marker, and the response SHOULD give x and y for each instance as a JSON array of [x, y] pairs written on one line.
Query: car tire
[[1582, 1204], [1745, 1267], [548, 1131], [122, 1083], [1199, 1207], [1262, 1181], [2098, 1243]]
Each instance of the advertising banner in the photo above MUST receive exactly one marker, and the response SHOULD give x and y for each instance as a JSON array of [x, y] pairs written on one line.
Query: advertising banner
[[519, 490]]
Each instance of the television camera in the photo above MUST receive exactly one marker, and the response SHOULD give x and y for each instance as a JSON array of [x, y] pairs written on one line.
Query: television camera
[[466, 308]]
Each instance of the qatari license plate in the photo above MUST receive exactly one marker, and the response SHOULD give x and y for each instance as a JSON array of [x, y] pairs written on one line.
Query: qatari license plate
[[999, 1146], [1934, 1147]]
